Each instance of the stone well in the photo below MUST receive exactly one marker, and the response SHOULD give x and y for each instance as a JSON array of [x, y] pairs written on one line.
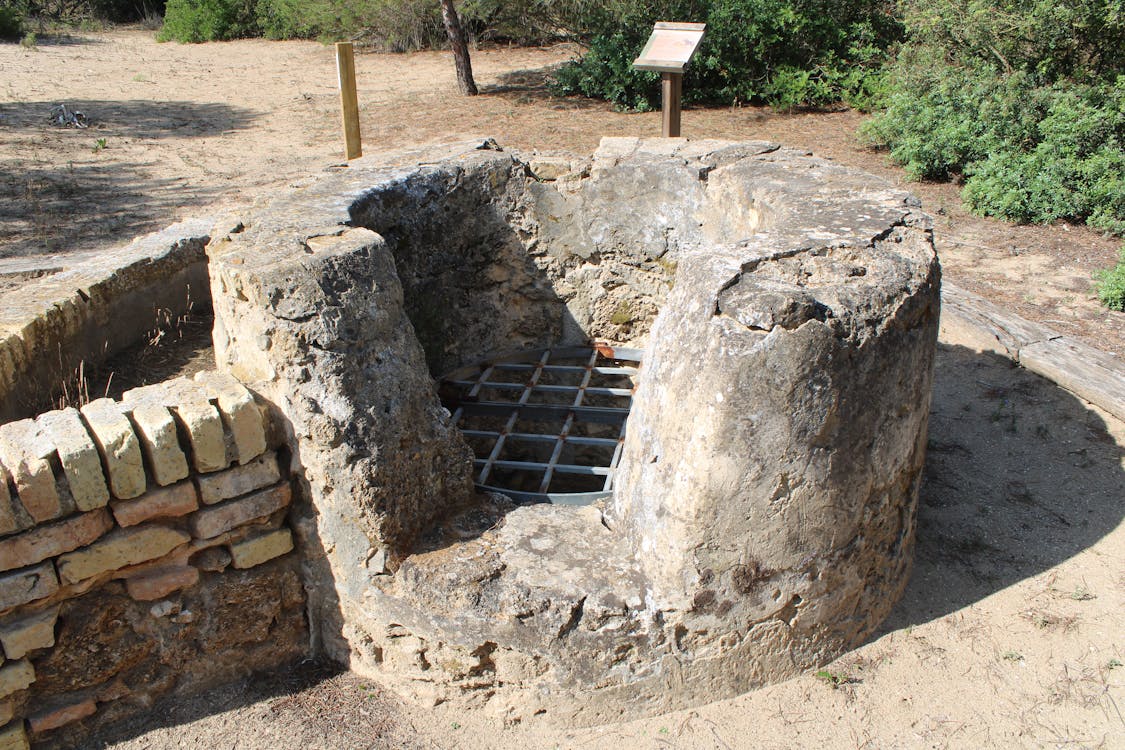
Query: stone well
[[764, 513]]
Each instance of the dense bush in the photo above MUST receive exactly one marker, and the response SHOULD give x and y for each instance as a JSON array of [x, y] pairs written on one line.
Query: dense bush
[[784, 52], [390, 25], [12, 15], [405, 25], [1023, 99], [208, 20]]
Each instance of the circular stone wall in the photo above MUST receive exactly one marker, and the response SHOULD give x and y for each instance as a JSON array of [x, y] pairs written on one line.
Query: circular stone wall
[[763, 519]]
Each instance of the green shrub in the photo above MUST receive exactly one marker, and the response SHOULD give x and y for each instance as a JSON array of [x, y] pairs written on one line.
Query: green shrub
[[407, 25], [208, 20], [784, 52], [388, 25], [1110, 284], [12, 17], [1025, 100]]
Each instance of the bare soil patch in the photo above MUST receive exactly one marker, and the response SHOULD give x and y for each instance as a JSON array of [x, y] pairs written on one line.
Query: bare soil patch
[[1010, 633]]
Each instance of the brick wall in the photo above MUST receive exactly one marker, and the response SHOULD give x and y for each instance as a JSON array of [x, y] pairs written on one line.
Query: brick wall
[[144, 550]]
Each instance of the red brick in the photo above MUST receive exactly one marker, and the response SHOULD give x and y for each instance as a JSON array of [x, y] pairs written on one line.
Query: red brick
[[58, 717], [166, 502], [161, 582], [53, 539]]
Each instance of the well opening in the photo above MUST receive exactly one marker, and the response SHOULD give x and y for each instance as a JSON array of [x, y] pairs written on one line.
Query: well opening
[[546, 426]]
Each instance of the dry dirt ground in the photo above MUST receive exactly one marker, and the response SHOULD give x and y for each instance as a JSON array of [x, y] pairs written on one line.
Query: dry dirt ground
[[1012, 630]]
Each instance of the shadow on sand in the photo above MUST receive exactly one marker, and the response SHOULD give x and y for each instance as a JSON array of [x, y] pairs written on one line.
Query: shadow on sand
[[51, 208]]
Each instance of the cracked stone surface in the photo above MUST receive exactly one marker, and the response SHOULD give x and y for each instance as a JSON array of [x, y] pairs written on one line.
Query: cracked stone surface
[[763, 518]]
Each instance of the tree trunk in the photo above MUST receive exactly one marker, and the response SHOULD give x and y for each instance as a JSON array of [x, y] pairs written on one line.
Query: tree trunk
[[460, 48]]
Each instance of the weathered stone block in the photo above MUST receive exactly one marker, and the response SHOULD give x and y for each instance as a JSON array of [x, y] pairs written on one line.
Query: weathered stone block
[[260, 549], [8, 522], [79, 457], [202, 422], [7, 711], [260, 472], [28, 633], [14, 737], [16, 676], [241, 416], [158, 583], [212, 521], [156, 429], [27, 585], [118, 550], [165, 502], [24, 450], [119, 447], [54, 718], [53, 539]]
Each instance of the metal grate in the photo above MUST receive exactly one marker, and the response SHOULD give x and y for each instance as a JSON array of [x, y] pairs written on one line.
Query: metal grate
[[546, 426]]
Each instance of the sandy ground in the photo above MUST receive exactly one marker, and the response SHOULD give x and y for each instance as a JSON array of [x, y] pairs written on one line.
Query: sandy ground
[[1012, 631]]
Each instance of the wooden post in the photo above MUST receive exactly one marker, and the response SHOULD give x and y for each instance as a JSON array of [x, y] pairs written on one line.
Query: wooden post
[[349, 103], [671, 89]]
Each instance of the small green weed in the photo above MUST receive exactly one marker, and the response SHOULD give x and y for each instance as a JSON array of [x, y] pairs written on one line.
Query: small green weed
[[835, 679], [622, 314], [1082, 594], [1113, 664], [99, 145], [1012, 656], [29, 41], [1110, 284]]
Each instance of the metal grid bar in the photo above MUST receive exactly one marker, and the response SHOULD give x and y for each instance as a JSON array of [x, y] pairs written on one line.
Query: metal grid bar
[[483, 478], [474, 391], [521, 366], [542, 388], [578, 469], [475, 381], [532, 436], [557, 452], [547, 412]]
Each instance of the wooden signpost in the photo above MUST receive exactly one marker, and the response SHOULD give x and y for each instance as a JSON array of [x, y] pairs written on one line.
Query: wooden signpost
[[349, 103], [668, 51]]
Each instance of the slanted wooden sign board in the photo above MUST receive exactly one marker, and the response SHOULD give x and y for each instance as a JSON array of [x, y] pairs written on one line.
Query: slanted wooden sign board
[[670, 47], [668, 51]]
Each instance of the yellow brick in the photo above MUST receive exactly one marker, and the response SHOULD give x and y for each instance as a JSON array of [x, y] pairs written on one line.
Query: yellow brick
[[14, 737], [23, 449], [78, 455], [259, 549], [16, 676], [241, 415], [156, 429], [119, 447], [202, 422], [29, 633], [119, 550]]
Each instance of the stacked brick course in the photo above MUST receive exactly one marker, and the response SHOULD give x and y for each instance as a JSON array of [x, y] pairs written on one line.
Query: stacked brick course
[[171, 494]]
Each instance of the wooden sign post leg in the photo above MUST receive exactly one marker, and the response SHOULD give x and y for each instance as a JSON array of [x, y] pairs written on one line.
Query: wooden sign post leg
[[671, 88], [349, 104]]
